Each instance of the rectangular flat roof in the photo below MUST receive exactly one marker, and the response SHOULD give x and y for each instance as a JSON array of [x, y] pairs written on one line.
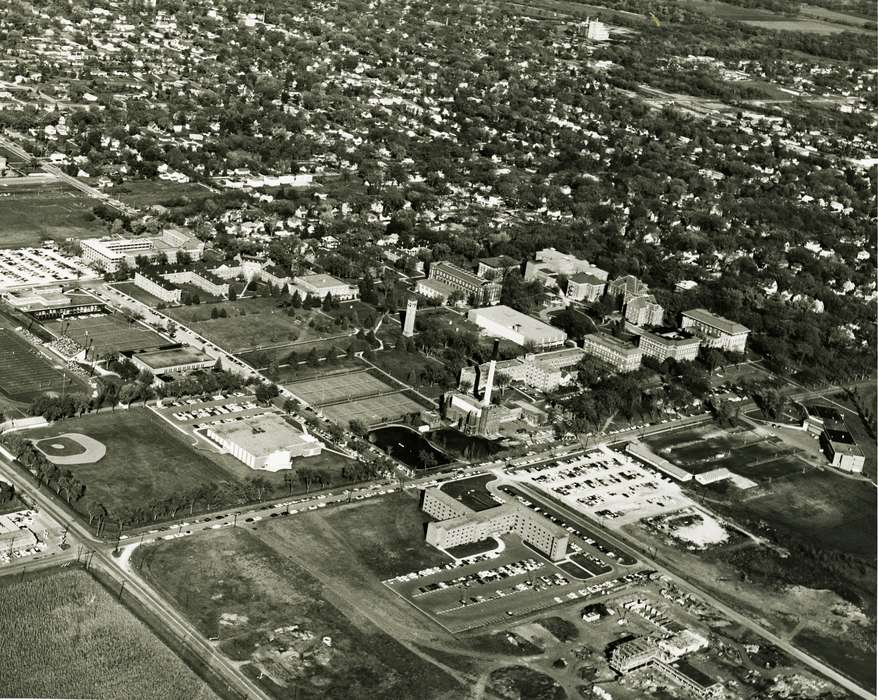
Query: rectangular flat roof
[[716, 321], [162, 359], [437, 286], [262, 434], [321, 281], [506, 316], [695, 675], [585, 278], [611, 341]]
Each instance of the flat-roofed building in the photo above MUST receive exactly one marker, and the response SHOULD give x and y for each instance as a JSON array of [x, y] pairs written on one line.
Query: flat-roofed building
[[716, 331], [549, 263], [543, 371], [108, 254], [585, 287], [434, 289], [158, 286], [173, 360], [670, 344], [644, 310], [504, 322], [620, 354], [321, 285], [842, 451], [47, 303], [496, 267], [480, 290], [264, 441], [203, 279], [457, 524]]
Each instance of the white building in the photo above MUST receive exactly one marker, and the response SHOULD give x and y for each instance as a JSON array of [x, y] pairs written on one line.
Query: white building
[[621, 355], [673, 345], [265, 441], [159, 287], [108, 254], [504, 322], [716, 331], [321, 285], [644, 311]]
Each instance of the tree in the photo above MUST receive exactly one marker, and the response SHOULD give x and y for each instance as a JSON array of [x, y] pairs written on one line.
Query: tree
[[266, 391], [358, 427], [296, 300]]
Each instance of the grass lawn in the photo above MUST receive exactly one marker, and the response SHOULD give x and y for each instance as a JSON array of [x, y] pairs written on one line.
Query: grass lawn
[[34, 212], [855, 661], [407, 367], [302, 371], [259, 603], [25, 372], [65, 636], [145, 193], [146, 461], [132, 290], [250, 323], [13, 505]]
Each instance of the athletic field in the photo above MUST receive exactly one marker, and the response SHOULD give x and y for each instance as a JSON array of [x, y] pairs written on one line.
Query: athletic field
[[341, 387], [24, 371], [374, 410], [107, 333]]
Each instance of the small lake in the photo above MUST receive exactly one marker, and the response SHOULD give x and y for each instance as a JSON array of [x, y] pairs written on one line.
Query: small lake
[[408, 446], [456, 443]]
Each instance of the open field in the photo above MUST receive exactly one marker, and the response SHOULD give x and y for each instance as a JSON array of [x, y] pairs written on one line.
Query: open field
[[146, 462], [809, 21], [377, 409], [33, 212], [132, 290], [472, 492], [66, 636], [250, 323], [26, 373], [857, 661], [408, 367], [334, 388], [106, 333], [260, 604], [145, 193]]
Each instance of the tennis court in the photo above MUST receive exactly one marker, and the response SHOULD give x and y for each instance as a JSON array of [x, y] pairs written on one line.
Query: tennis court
[[106, 333], [340, 387], [377, 409], [24, 371]]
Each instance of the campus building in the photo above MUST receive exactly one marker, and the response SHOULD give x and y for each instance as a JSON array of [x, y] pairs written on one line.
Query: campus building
[[177, 360], [457, 524], [620, 354], [544, 371], [48, 303], [504, 322], [108, 254], [842, 451], [321, 285], [643, 310], [264, 441], [158, 286], [628, 287], [482, 291], [434, 289], [716, 331], [548, 264], [585, 287], [669, 345], [203, 279], [495, 268]]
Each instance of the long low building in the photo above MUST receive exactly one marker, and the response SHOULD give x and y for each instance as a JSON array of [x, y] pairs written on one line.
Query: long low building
[[321, 285], [459, 524], [172, 360], [264, 441], [504, 322], [203, 279], [158, 286], [669, 345], [841, 450]]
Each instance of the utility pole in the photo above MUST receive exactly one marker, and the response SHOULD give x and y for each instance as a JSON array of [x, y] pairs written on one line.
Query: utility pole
[[122, 589]]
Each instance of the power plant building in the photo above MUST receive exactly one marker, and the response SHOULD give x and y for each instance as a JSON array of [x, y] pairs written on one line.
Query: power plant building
[[457, 524]]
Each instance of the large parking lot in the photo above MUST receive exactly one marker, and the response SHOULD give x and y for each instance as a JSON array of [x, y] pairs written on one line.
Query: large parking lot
[[36, 266], [607, 485]]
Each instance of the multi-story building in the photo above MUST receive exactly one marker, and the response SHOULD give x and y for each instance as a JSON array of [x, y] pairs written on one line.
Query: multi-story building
[[548, 264], [47, 303], [434, 289], [495, 268], [321, 285], [203, 279], [482, 292], [673, 345], [544, 371], [264, 441], [627, 287], [620, 354], [158, 286], [648, 652], [108, 254], [842, 451], [716, 331], [457, 524], [585, 287], [643, 310], [505, 322]]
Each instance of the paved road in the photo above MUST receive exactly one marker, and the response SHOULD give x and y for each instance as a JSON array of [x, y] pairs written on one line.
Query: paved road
[[631, 546]]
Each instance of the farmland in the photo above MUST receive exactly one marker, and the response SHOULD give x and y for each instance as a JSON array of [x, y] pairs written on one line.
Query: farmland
[[33, 212], [25, 372], [107, 333], [249, 324], [104, 652], [261, 605]]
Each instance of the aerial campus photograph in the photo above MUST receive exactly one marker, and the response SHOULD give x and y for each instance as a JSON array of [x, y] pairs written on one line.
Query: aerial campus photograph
[[503, 350]]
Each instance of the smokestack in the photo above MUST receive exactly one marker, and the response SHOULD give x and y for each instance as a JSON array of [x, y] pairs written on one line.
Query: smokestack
[[489, 384], [496, 350]]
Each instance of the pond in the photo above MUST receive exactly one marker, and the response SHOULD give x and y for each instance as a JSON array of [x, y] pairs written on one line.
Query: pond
[[465, 446], [408, 446]]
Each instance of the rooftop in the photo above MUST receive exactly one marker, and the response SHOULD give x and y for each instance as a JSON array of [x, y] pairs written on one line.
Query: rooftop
[[695, 675], [262, 434], [159, 360], [611, 341], [715, 321], [524, 324], [585, 278], [321, 281]]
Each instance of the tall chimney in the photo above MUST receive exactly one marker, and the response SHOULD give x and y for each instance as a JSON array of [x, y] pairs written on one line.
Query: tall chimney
[[489, 384]]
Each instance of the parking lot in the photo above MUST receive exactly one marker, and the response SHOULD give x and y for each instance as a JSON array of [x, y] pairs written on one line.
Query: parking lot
[[20, 267]]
